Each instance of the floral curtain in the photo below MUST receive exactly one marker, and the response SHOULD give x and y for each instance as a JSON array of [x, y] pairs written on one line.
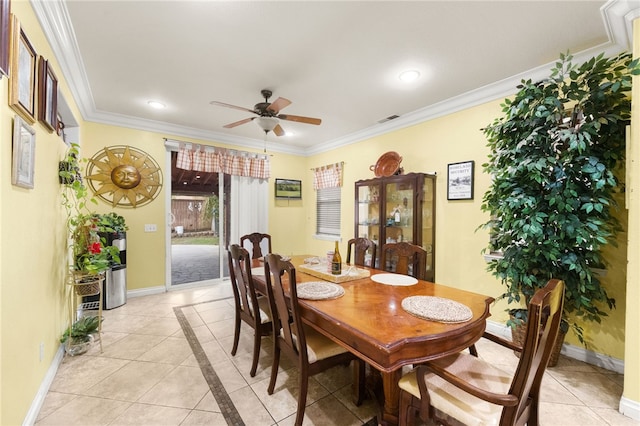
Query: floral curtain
[[329, 176], [231, 162]]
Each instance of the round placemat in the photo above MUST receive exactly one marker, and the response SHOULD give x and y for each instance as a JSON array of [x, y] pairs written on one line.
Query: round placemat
[[319, 290], [437, 309]]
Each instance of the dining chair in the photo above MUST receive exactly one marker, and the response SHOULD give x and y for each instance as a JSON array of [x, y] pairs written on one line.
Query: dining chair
[[256, 239], [251, 307], [311, 351], [405, 255], [360, 247], [462, 388]]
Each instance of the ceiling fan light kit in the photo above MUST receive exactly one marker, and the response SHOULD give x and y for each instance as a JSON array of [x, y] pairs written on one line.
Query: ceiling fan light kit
[[267, 123], [268, 114]]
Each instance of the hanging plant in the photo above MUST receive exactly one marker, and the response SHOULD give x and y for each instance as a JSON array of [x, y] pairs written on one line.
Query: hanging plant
[[554, 156]]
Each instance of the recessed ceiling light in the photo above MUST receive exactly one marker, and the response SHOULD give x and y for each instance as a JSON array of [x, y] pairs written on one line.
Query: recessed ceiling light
[[156, 104], [409, 76]]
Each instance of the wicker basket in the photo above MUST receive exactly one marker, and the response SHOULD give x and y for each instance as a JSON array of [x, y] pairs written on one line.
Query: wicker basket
[[86, 284], [518, 335]]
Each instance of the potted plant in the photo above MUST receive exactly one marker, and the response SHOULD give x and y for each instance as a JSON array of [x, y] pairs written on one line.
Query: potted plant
[[69, 167], [79, 336], [91, 254], [554, 157]]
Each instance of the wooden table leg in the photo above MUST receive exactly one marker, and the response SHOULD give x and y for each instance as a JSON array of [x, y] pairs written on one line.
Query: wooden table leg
[[391, 397]]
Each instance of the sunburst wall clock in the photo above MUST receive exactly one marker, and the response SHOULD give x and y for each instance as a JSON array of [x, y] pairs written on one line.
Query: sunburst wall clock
[[124, 176]]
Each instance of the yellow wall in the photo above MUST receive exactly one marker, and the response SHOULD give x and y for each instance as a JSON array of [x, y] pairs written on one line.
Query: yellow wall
[[33, 237], [632, 341]]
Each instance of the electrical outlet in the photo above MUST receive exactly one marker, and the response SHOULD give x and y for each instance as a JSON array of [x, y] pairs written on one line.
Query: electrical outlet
[[41, 351], [150, 227]]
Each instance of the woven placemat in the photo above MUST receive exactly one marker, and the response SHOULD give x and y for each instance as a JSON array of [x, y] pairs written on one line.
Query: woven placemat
[[437, 309], [319, 290]]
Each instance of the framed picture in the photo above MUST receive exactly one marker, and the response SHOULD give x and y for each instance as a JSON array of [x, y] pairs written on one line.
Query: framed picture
[[23, 73], [5, 7], [460, 181], [289, 188], [47, 95], [24, 153]]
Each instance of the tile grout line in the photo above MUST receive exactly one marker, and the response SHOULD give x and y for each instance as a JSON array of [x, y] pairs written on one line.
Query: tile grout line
[[228, 409]]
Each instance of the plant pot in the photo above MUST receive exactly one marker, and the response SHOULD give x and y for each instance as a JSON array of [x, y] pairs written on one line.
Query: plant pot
[[77, 346], [87, 284], [518, 335]]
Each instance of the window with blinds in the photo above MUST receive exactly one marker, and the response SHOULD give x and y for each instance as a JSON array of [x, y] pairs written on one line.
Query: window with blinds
[[328, 211]]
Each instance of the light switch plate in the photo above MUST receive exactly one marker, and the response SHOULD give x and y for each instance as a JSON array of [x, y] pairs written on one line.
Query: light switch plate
[[150, 227]]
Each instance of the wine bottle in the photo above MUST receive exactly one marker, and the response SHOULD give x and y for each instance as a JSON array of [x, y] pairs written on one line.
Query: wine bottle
[[336, 261]]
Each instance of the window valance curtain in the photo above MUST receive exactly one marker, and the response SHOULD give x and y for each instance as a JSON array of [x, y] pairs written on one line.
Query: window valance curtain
[[329, 176], [218, 160]]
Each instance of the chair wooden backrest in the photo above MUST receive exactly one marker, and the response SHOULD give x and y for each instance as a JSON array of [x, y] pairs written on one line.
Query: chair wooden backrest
[[284, 308], [290, 336], [520, 403], [405, 255], [250, 306], [360, 247], [543, 326], [255, 239]]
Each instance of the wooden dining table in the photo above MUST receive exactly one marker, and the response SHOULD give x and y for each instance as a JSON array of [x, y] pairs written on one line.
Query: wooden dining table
[[369, 321]]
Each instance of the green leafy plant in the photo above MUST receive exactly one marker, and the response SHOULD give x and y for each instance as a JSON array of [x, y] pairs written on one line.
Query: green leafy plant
[[111, 223], [91, 253], [554, 155], [81, 329]]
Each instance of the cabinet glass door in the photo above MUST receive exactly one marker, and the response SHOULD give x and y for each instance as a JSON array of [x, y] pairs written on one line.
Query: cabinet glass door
[[428, 220], [368, 215], [399, 208]]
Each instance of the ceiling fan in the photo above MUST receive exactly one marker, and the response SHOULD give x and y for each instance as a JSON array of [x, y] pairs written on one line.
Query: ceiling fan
[[268, 114]]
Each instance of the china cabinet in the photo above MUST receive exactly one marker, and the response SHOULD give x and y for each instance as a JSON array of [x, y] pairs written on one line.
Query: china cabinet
[[398, 208]]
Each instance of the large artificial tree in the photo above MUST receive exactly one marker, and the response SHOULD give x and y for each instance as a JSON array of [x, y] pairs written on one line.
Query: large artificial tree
[[556, 154]]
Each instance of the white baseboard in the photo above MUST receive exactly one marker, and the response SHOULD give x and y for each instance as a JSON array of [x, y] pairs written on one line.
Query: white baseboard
[[36, 405], [630, 408], [571, 351], [148, 291]]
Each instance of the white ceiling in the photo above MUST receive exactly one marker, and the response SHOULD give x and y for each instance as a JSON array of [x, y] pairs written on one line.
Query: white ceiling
[[337, 61]]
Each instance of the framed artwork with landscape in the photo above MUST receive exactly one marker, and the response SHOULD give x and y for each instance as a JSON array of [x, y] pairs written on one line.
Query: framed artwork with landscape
[[47, 95], [24, 153], [22, 87], [5, 6], [289, 188]]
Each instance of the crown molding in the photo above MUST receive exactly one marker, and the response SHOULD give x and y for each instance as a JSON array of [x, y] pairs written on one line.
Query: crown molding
[[617, 16]]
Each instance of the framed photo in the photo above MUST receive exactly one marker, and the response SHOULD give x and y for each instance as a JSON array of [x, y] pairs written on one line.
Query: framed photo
[[460, 181], [47, 95], [5, 7], [24, 153], [289, 188], [23, 73]]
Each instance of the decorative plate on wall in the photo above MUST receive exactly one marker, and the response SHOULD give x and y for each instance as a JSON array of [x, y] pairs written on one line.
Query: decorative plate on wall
[[124, 176]]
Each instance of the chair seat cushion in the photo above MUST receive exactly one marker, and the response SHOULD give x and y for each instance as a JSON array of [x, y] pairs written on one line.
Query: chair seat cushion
[[265, 310], [455, 402], [318, 346]]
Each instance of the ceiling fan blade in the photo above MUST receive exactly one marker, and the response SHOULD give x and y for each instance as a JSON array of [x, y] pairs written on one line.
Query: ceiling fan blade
[[237, 123], [278, 104], [222, 104], [279, 131], [300, 119]]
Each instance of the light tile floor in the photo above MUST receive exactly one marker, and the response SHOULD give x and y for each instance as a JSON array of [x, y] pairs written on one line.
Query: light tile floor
[[148, 375]]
